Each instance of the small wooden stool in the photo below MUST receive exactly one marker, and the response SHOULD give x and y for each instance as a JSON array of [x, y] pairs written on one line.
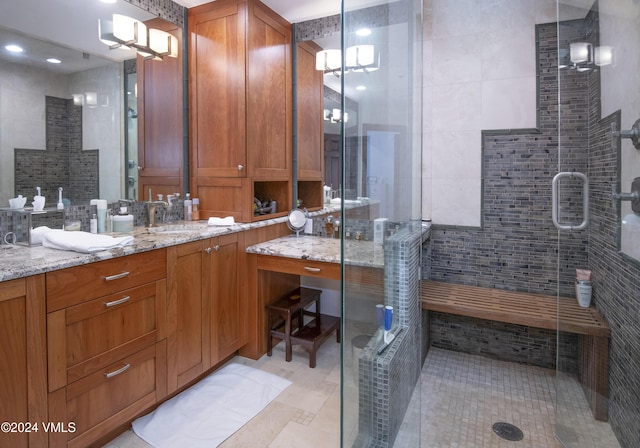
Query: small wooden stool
[[293, 306]]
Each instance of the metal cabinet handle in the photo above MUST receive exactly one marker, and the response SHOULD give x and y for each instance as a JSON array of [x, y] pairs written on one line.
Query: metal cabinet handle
[[208, 250], [117, 372], [240, 167], [117, 302], [116, 277], [216, 247], [585, 201], [307, 268]]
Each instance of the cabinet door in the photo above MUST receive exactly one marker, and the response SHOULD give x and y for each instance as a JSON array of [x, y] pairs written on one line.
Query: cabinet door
[[188, 311], [310, 100], [226, 329], [23, 371], [160, 142], [268, 94], [217, 91]]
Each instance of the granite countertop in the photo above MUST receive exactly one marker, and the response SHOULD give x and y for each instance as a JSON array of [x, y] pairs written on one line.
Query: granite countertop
[[17, 261], [307, 247]]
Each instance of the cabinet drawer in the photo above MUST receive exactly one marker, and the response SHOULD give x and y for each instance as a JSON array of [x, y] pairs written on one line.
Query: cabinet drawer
[[108, 398], [309, 268], [105, 329], [72, 286]]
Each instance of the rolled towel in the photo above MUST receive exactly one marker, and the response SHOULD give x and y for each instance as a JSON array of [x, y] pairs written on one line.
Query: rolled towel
[[83, 241], [228, 221], [37, 233]]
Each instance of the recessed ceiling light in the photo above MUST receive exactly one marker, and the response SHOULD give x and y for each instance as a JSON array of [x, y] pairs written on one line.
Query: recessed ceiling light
[[14, 48], [54, 61], [364, 32], [361, 88]]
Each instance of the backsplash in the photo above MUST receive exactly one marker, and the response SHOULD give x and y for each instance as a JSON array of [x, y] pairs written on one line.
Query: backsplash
[[83, 214]]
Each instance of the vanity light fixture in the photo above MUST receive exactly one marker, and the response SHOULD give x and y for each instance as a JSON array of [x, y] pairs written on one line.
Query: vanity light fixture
[[335, 116], [128, 33], [359, 58], [582, 56]]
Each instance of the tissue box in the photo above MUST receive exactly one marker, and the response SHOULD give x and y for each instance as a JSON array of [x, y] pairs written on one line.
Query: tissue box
[[25, 220]]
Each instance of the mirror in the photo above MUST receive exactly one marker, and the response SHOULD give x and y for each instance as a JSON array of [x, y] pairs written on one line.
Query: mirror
[[363, 108], [67, 124]]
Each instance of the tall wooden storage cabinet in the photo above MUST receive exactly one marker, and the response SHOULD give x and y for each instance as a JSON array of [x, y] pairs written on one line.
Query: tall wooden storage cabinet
[[310, 132], [160, 133], [240, 108]]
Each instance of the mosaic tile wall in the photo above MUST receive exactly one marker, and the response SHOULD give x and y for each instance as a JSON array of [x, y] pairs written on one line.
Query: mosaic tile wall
[[52, 168], [384, 379], [615, 277], [167, 9], [517, 168]]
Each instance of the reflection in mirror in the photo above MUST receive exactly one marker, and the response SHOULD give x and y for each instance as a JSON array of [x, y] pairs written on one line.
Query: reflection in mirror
[[63, 120]]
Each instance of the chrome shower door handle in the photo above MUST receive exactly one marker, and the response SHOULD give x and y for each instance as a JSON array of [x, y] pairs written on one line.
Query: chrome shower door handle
[[585, 201]]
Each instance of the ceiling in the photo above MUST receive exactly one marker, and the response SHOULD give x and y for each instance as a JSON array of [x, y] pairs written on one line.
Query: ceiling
[[34, 19]]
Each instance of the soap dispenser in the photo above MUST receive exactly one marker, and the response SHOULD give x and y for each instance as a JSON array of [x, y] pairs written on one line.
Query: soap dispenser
[[123, 221]]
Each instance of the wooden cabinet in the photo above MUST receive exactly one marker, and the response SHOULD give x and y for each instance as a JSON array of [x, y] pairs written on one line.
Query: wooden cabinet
[[189, 305], [240, 108], [106, 344], [310, 132], [160, 124], [23, 371], [204, 306], [227, 307]]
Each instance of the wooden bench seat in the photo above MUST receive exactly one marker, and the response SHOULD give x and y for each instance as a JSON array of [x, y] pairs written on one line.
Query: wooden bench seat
[[538, 311]]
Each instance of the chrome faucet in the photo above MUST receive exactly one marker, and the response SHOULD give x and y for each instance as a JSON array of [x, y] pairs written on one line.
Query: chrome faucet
[[151, 211]]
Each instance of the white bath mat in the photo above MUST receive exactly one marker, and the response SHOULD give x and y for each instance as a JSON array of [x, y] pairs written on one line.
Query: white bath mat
[[210, 411]]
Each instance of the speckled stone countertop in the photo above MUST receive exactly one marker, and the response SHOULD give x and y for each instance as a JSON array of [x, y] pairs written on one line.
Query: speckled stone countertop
[[17, 261], [306, 247]]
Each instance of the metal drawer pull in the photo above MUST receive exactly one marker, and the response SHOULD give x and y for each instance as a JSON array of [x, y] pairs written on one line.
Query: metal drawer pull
[[117, 302], [307, 268], [115, 277], [117, 372]]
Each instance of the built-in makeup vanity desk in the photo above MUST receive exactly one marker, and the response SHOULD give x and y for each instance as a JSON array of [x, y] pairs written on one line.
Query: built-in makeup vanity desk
[[275, 267]]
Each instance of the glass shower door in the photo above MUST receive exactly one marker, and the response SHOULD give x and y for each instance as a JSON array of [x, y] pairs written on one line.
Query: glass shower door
[[381, 227], [598, 371]]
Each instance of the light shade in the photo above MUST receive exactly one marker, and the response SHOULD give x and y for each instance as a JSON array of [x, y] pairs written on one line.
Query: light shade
[[163, 43], [581, 52], [603, 55], [360, 56], [122, 31], [329, 60]]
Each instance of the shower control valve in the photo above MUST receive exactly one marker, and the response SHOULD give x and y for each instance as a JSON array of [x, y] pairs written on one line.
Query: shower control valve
[[634, 196]]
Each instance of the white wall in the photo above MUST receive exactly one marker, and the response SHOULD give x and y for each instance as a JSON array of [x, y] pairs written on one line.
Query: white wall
[[479, 74]]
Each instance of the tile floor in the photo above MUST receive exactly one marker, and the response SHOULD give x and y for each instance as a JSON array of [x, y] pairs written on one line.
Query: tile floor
[[460, 398]]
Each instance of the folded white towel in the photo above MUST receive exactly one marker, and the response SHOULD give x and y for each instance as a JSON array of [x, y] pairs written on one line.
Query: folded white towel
[[228, 221], [83, 241]]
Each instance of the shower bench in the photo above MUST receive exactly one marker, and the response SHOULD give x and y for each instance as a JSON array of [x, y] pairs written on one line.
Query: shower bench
[[538, 311]]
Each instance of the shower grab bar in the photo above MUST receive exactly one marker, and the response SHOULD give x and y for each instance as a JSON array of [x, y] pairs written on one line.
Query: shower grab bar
[[585, 201]]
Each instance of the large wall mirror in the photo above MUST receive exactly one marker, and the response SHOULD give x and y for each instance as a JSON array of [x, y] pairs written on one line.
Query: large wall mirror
[[69, 104], [376, 131]]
